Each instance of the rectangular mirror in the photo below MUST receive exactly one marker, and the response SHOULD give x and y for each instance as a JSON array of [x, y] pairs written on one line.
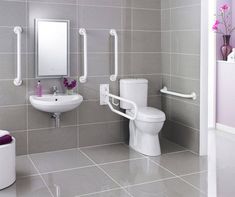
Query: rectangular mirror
[[52, 48]]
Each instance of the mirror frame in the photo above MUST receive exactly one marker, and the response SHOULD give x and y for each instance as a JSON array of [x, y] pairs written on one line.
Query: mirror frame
[[36, 48]]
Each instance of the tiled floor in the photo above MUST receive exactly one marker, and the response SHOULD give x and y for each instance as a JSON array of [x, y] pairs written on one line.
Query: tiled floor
[[109, 171]]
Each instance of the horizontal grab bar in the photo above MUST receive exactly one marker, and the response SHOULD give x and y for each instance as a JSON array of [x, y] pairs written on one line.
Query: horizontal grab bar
[[193, 95], [105, 100]]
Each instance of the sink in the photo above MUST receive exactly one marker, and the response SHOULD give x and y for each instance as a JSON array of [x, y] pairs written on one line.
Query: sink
[[56, 103]]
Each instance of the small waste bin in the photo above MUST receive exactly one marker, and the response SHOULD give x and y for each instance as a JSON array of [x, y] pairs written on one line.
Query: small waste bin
[[7, 164]]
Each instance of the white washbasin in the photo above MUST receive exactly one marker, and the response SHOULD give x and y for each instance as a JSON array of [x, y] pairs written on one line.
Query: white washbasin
[[56, 103]]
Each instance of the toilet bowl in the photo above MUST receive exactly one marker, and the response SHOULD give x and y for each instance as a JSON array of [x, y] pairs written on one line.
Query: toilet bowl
[[144, 130], [149, 121]]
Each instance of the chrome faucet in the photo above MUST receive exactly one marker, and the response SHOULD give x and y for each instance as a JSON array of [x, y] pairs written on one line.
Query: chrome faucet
[[54, 90]]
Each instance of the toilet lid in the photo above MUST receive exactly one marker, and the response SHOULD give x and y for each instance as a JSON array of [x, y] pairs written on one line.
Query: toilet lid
[[150, 114]]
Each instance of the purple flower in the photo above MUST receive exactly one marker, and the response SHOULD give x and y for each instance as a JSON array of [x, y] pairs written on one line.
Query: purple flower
[[224, 7], [70, 85], [215, 26]]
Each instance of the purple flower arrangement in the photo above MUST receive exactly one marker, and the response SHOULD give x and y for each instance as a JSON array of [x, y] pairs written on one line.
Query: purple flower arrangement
[[224, 19], [70, 84]]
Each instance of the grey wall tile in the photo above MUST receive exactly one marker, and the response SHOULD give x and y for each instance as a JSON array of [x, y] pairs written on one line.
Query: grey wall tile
[[166, 63], [185, 65], [179, 3], [152, 4], [38, 119], [96, 134], [185, 42], [8, 40], [127, 18], [8, 66], [93, 112], [165, 20], [12, 13], [146, 19], [11, 94], [99, 64], [21, 142], [166, 81], [117, 3], [99, 17], [52, 139], [100, 41], [91, 89], [13, 118], [186, 86], [185, 113], [189, 16], [166, 41], [56, 1], [155, 101], [154, 83], [166, 106], [51, 11], [185, 136], [146, 41], [165, 4], [144, 63]]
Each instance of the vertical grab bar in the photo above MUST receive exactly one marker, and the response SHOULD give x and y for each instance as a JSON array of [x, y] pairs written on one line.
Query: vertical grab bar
[[18, 81], [83, 33], [113, 32]]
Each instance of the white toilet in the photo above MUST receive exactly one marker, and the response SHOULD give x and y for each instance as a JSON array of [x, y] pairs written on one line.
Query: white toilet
[[145, 128]]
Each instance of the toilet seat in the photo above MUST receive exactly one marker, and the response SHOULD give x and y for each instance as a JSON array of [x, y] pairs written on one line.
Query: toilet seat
[[148, 114]]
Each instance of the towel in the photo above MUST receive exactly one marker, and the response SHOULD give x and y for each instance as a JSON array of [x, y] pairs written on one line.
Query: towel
[[6, 139], [2, 133]]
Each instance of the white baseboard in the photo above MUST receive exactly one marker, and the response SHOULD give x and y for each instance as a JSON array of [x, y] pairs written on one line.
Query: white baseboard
[[225, 128]]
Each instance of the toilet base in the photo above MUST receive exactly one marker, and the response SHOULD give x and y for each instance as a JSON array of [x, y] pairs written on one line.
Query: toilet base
[[144, 143]]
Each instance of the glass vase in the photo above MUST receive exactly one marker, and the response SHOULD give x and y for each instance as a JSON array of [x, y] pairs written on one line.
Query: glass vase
[[70, 92], [226, 49]]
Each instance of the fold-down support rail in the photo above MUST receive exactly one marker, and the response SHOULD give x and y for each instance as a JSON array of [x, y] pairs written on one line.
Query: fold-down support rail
[[105, 100], [188, 96]]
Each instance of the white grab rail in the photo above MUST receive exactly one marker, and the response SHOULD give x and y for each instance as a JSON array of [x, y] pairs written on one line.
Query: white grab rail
[[105, 97], [18, 80], [113, 32], [83, 33], [189, 96]]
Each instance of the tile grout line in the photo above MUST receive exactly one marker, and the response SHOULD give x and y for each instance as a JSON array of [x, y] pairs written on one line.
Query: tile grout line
[[108, 190], [44, 182], [177, 176], [106, 173]]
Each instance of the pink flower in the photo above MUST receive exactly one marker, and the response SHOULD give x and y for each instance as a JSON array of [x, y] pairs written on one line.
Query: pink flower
[[224, 7], [215, 26]]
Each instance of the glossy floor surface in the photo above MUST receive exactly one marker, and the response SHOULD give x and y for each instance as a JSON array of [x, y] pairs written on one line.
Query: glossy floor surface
[[110, 171]]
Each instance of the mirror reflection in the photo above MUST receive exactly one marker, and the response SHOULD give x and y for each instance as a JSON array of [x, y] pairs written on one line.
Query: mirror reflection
[[52, 46]]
